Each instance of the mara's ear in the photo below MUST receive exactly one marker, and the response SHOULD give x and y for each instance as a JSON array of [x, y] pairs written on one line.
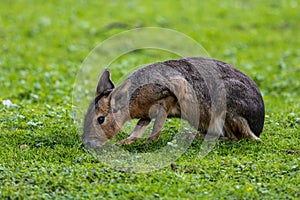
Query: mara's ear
[[105, 85], [120, 96]]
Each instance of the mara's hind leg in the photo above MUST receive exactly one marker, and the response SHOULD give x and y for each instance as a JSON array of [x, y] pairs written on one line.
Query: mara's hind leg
[[237, 128]]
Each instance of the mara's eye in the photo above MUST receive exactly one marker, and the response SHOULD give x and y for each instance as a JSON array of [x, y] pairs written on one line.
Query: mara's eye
[[100, 119]]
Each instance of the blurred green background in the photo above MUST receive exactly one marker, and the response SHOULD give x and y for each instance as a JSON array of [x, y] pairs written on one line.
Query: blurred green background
[[42, 46]]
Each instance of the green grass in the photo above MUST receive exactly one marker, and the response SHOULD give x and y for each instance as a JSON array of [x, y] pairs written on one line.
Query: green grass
[[42, 46]]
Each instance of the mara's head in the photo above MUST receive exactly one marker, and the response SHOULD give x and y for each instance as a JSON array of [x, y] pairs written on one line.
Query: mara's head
[[107, 112]]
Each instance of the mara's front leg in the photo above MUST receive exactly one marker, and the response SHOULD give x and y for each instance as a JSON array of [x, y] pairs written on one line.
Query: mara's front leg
[[160, 115], [136, 133]]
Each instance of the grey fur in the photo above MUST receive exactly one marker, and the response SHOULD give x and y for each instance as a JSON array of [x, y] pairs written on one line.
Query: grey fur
[[212, 95]]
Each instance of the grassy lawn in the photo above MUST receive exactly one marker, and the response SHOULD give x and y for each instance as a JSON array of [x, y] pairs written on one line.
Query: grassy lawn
[[42, 46]]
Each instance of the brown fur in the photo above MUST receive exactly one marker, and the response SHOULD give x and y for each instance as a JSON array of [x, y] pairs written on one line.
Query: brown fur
[[177, 88]]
